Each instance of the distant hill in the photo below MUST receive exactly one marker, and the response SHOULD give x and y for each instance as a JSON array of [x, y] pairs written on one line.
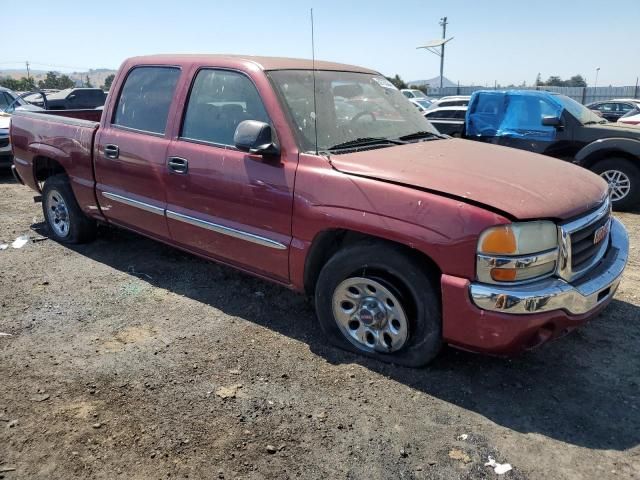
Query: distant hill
[[96, 75], [433, 82]]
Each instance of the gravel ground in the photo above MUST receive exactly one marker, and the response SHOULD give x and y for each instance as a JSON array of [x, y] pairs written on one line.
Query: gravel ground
[[129, 359]]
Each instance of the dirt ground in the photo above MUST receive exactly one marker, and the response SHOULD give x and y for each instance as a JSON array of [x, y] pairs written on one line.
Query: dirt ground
[[129, 359]]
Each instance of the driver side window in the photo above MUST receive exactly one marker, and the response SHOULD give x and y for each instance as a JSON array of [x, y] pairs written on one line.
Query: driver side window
[[218, 102]]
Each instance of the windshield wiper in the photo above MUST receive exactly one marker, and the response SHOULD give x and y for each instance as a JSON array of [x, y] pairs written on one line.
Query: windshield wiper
[[420, 134], [364, 141]]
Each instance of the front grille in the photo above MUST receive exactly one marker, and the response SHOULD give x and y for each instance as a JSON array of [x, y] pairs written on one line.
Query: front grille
[[583, 248], [580, 249]]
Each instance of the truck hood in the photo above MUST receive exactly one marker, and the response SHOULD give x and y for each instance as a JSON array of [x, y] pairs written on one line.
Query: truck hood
[[618, 130], [521, 184]]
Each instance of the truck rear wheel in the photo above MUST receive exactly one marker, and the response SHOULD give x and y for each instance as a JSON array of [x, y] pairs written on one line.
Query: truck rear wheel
[[66, 222], [623, 178], [374, 299]]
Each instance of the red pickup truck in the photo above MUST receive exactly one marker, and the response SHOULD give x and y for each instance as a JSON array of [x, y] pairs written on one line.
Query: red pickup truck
[[330, 182]]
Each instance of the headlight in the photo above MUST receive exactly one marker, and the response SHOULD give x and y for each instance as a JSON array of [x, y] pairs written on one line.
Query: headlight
[[517, 251]]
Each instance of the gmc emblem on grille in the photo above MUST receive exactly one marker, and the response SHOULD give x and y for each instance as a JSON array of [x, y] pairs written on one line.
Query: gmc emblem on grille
[[601, 233]]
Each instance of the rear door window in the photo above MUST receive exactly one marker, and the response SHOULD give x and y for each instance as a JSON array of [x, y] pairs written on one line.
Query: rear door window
[[145, 99], [218, 102]]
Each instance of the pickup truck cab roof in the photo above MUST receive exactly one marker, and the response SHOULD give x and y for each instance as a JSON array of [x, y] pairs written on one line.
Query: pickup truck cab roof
[[247, 61]]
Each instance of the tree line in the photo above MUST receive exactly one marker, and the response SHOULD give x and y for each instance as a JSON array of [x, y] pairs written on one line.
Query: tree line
[[552, 81], [52, 80]]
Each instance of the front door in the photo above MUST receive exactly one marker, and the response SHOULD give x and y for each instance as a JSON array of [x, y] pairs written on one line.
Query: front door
[[522, 126], [221, 202], [132, 150]]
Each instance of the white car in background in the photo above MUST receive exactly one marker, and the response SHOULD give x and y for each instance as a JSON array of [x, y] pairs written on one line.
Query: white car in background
[[631, 118], [451, 101], [413, 93], [9, 103], [447, 120], [422, 104]]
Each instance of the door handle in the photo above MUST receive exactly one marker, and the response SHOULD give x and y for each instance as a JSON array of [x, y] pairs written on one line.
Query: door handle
[[111, 151], [178, 165]]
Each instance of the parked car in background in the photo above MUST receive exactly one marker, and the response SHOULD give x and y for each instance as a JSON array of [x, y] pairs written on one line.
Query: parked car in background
[[447, 120], [413, 93], [613, 110], [451, 101], [406, 239], [9, 103], [631, 118], [73, 99], [422, 104], [558, 126]]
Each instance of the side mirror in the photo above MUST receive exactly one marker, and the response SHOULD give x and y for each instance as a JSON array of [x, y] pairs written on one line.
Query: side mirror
[[551, 122], [255, 137], [71, 97]]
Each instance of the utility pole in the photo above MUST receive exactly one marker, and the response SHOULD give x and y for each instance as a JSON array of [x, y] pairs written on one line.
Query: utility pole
[[28, 75], [437, 48], [443, 23]]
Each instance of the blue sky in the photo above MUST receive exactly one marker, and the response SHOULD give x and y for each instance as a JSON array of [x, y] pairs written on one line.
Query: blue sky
[[507, 41]]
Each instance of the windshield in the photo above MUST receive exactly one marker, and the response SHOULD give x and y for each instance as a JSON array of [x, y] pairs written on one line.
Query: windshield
[[12, 102], [579, 111], [350, 107], [418, 94], [423, 102]]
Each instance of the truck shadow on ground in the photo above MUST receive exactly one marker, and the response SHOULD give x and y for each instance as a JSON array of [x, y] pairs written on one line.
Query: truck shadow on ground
[[583, 390]]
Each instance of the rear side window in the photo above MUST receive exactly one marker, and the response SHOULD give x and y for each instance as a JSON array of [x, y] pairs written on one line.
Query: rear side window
[[443, 114], [219, 101], [145, 98], [454, 103]]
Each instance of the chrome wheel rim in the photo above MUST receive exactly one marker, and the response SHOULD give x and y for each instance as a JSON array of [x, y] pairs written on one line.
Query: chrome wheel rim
[[619, 183], [369, 315], [58, 214]]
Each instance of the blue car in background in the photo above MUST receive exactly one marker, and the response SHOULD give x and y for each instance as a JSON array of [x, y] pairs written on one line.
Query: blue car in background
[[558, 126]]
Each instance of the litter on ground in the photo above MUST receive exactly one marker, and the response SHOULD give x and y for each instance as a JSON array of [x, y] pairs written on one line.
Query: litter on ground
[[20, 242], [499, 468]]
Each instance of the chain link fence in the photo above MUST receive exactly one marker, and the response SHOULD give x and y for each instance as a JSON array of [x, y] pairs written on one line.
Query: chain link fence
[[584, 95]]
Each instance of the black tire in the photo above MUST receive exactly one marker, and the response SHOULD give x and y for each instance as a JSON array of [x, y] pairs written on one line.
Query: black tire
[[631, 171], [76, 226], [401, 274]]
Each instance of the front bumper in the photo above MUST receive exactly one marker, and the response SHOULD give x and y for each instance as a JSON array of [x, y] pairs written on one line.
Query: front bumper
[[556, 294], [508, 320]]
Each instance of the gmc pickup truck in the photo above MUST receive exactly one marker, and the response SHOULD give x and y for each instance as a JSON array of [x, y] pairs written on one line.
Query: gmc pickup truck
[[329, 181]]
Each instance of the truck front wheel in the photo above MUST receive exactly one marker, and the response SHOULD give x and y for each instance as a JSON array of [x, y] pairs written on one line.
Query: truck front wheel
[[623, 178], [66, 221], [374, 299]]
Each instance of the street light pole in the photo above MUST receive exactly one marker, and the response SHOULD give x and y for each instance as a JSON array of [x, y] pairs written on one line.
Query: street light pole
[[443, 23], [596, 83]]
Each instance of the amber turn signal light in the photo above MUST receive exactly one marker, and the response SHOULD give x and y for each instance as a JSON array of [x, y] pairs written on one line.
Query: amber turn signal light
[[500, 240], [504, 274]]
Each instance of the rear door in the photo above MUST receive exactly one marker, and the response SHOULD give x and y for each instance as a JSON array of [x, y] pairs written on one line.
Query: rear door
[[221, 202], [132, 150]]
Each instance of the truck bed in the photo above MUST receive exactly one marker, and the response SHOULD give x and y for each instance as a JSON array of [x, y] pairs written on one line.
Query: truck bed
[[52, 141]]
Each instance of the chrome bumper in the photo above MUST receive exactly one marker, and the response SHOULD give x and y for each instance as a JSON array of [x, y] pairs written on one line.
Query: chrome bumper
[[575, 298]]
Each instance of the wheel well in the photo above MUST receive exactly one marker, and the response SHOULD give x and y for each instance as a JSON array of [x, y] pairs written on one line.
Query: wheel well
[[45, 167], [328, 242], [595, 157]]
